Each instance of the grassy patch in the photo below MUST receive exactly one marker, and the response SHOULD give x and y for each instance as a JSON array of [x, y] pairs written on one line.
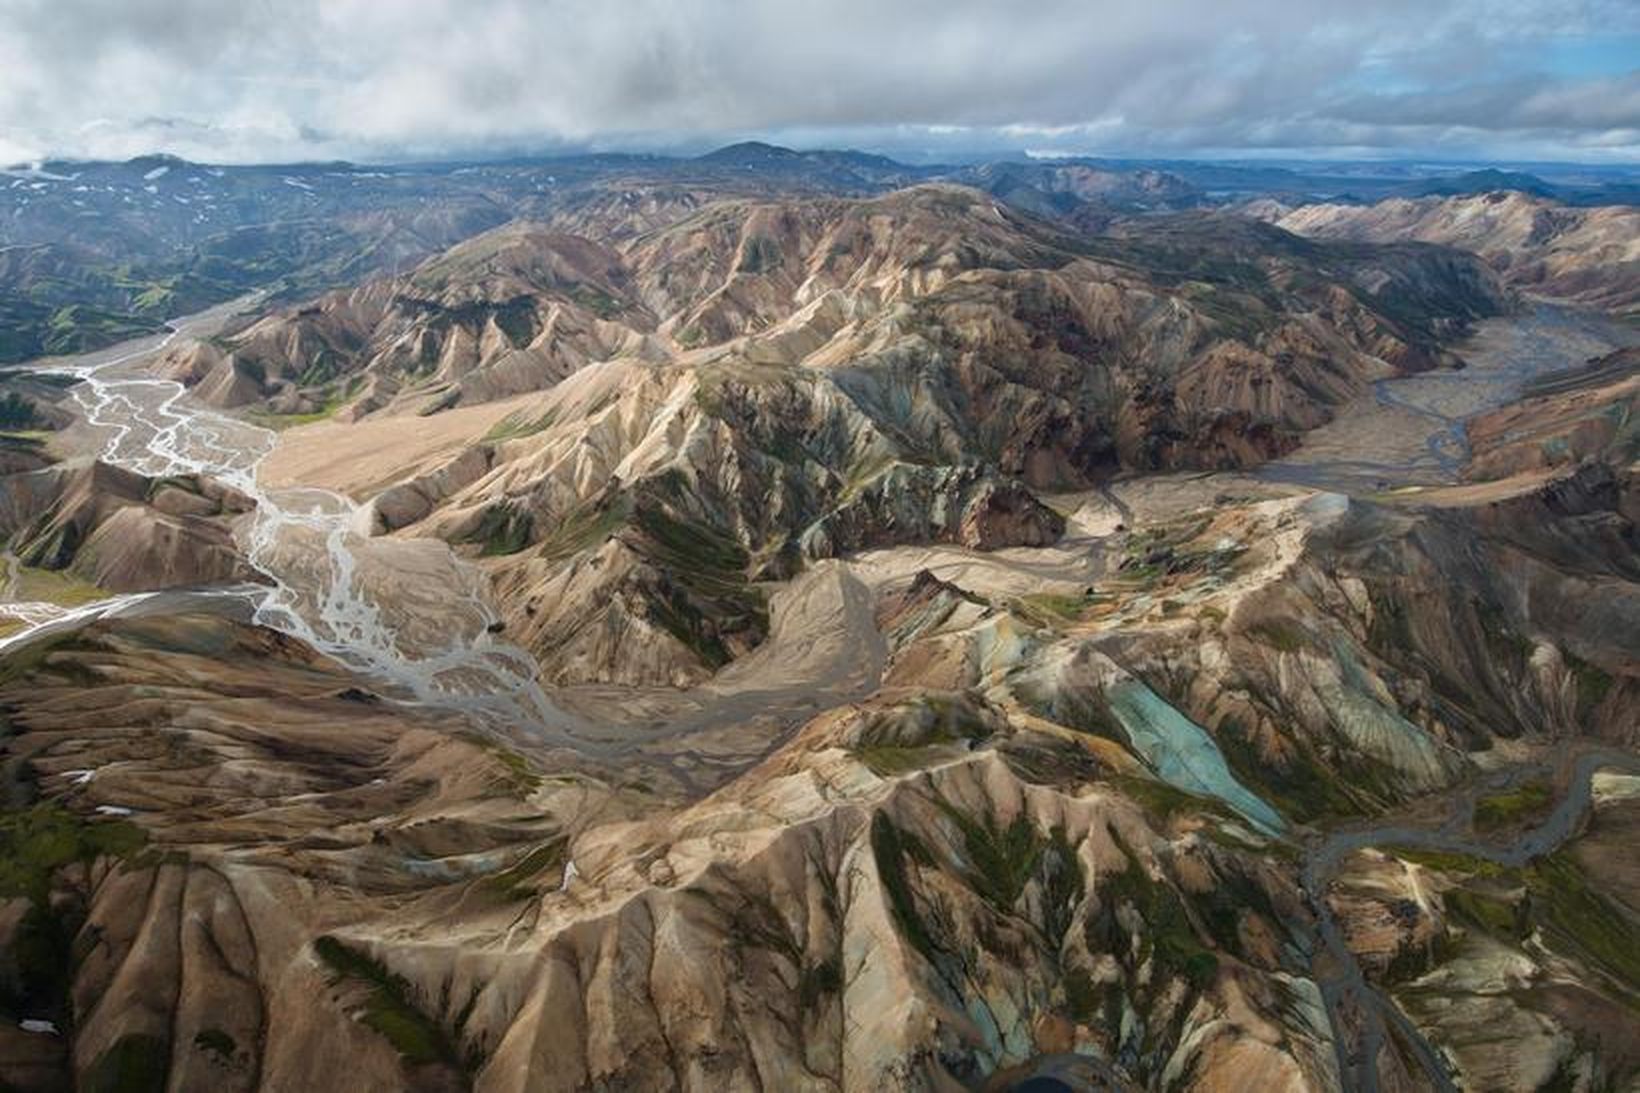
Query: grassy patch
[[893, 851], [586, 526], [389, 1006], [759, 255], [1499, 917], [891, 760], [1000, 859], [1518, 805], [1163, 801], [1288, 637], [134, 1064], [514, 427], [516, 881], [1568, 908], [1298, 783], [35, 842], [1167, 934], [1049, 608], [18, 412], [1593, 683], [522, 778], [596, 300], [503, 529], [707, 596], [56, 586], [1447, 862]]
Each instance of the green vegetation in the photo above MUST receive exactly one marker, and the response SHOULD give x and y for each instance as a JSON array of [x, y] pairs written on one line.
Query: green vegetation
[[1446, 861], [1593, 683], [1551, 898], [708, 595], [520, 777], [1296, 782], [515, 881], [1167, 933], [1497, 916], [515, 427], [892, 849], [597, 301], [892, 760], [35, 842], [1164, 801], [1083, 996], [905, 737], [389, 1006], [18, 412], [217, 1042], [1515, 806], [516, 319], [1584, 920], [56, 586], [759, 254], [334, 401], [1047, 608], [1000, 859], [586, 526], [134, 1064], [1280, 634], [503, 529]]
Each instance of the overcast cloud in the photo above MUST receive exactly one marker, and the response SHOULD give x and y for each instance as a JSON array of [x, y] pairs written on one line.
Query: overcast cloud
[[263, 80]]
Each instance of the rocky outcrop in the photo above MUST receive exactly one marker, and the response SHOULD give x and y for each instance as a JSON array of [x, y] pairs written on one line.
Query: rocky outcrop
[[121, 531], [907, 504]]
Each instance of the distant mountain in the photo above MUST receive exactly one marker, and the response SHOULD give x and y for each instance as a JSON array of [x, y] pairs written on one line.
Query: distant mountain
[[1484, 181], [1583, 254]]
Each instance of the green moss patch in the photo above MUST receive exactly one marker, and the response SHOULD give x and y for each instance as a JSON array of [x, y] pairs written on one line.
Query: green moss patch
[[134, 1064], [517, 881], [503, 529], [390, 1006], [1519, 805], [35, 842]]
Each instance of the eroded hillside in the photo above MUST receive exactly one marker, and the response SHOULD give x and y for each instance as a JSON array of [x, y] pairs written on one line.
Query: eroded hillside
[[935, 693]]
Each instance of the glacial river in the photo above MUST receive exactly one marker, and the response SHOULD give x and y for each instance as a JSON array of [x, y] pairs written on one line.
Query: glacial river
[[407, 614]]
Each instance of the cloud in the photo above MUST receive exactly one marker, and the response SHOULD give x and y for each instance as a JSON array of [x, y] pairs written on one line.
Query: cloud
[[375, 79]]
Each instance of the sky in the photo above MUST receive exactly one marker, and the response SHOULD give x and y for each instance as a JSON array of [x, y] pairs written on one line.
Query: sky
[[236, 81]]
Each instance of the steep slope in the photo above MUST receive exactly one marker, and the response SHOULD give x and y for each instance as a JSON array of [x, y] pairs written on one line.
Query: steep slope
[[1070, 822], [1591, 412], [1590, 255], [759, 382]]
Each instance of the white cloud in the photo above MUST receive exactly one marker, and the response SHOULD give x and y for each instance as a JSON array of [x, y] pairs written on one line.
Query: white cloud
[[396, 78]]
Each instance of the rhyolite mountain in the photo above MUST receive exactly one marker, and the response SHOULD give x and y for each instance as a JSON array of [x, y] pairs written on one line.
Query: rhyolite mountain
[[940, 697], [757, 383]]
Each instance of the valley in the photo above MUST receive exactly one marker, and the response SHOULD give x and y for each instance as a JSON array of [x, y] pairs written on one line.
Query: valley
[[828, 625]]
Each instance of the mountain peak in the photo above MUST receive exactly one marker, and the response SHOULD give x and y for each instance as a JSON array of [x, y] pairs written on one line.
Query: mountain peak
[[751, 151]]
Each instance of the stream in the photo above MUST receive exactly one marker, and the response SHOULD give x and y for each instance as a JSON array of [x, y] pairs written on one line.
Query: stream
[[1410, 430], [407, 614], [1345, 988]]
